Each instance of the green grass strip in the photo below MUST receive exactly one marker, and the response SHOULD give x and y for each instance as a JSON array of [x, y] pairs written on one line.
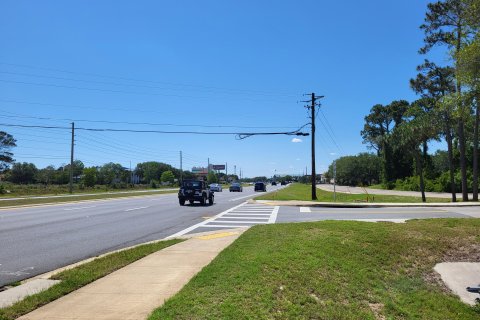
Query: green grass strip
[[10, 203], [332, 270], [303, 192], [82, 275]]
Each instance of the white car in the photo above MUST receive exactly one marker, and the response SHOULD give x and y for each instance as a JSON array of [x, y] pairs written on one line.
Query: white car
[[216, 187]]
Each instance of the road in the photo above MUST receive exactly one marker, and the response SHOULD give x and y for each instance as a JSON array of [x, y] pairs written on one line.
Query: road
[[40, 239], [35, 240]]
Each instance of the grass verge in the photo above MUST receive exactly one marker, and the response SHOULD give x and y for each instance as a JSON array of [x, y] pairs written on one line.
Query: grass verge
[[19, 202], [82, 275], [332, 270], [299, 191]]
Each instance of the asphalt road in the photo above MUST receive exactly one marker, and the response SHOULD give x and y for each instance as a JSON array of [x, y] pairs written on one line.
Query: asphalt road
[[40, 239]]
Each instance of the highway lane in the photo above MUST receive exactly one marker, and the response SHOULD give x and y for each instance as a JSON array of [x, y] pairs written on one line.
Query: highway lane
[[35, 240]]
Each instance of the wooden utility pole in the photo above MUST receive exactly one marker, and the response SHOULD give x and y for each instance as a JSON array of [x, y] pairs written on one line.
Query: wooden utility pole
[[314, 175], [71, 157], [312, 107]]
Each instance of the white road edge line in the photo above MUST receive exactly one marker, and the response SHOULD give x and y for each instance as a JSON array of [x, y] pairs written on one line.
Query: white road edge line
[[240, 198], [203, 223], [136, 208], [305, 209], [273, 217], [78, 208]]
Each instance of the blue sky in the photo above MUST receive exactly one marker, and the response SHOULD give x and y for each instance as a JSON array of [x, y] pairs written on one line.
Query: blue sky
[[211, 63]]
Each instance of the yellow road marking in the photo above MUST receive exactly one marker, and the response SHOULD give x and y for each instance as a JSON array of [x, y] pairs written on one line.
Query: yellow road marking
[[217, 235]]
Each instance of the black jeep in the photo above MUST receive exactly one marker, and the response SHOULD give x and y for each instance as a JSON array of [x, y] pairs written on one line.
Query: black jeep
[[195, 190]]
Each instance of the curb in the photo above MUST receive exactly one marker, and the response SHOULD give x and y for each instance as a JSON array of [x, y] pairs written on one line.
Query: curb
[[49, 274]]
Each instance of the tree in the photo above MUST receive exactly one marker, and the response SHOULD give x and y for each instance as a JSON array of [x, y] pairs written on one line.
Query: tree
[[152, 170], [111, 173], [89, 178], [212, 177], [168, 177], [469, 72], [46, 175], [420, 127], [7, 142], [377, 131], [446, 24], [434, 83], [360, 170], [23, 173]]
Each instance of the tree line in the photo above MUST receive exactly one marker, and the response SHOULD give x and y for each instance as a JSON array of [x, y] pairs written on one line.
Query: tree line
[[447, 107]]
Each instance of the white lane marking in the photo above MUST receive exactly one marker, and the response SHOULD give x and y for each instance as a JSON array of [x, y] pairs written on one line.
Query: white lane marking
[[21, 272], [305, 209], [251, 218], [223, 226], [240, 222], [78, 208], [240, 198], [273, 217], [247, 214], [136, 208], [203, 223]]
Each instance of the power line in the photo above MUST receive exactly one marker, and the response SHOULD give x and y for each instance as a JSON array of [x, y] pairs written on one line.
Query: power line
[[122, 91], [16, 115], [150, 81], [240, 135]]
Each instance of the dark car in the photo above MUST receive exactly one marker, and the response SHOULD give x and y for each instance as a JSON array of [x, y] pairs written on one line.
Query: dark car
[[236, 187], [195, 190], [283, 183], [274, 183], [260, 186]]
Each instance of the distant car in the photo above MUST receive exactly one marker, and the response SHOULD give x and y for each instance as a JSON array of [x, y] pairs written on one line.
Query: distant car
[[216, 187], [283, 183], [260, 186], [274, 183], [236, 187]]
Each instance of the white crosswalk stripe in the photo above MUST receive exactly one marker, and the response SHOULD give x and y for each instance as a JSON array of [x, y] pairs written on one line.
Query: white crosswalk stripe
[[243, 216]]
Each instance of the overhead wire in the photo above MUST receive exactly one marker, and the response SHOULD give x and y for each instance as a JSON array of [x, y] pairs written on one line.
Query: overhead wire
[[148, 81]]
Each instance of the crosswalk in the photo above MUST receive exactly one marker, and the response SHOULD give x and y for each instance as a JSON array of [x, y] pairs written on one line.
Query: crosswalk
[[245, 215], [242, 216]]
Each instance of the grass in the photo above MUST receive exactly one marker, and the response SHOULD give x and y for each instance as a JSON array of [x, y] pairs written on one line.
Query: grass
[[299, 191], [26, 201], [332, 270], [82, 275]]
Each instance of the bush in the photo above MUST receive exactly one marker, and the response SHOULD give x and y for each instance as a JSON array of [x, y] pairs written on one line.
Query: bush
[[153, 184]]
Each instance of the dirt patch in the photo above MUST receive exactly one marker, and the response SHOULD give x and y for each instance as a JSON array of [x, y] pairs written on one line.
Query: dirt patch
[[377, 309]]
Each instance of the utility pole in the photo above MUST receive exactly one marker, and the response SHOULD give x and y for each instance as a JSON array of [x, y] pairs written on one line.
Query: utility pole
[[71, 158], [131, 174], [181, 167], [334, 180], [208, 165], [226, 172], [312, 108], [235, 169]]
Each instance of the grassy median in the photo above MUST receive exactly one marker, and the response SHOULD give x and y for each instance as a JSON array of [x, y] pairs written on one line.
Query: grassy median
[[303, 192], [82, 275], [332, 270], [66, 198]]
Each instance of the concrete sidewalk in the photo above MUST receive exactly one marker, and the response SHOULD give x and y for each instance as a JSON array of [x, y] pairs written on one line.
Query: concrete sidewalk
[[358, 190], [301, 203], [134, 291]]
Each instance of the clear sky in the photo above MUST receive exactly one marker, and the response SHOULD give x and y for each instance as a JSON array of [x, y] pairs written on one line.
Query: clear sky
[[228, 66]]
